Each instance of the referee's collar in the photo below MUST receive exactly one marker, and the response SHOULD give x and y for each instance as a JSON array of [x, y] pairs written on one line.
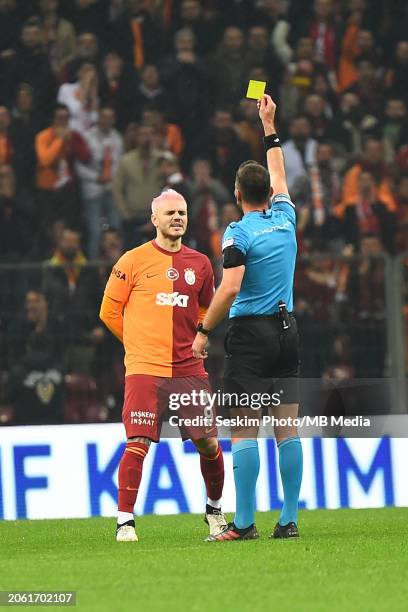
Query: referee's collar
[[263, 213]]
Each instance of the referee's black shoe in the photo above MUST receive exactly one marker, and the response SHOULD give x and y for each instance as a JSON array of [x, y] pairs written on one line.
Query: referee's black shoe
[[232, 533], [285, 531]]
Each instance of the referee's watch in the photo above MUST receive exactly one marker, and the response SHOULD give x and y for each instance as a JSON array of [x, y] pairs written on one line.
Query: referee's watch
[[202, 330]]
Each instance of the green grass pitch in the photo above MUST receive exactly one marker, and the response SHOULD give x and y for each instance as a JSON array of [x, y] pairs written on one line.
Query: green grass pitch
[[345, 560]]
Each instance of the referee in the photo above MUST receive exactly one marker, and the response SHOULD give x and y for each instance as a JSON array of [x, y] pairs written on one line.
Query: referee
[[262, 354]]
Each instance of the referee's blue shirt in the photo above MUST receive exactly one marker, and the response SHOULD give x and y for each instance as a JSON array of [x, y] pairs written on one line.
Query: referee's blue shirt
[[268, 242]]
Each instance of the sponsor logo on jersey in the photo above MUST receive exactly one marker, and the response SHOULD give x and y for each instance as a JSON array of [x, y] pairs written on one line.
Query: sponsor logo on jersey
[[189, 276], [172, 274], [172, 299], [118, 274]]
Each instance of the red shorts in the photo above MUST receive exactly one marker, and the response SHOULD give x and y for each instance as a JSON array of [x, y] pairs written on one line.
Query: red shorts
[[151, 400]]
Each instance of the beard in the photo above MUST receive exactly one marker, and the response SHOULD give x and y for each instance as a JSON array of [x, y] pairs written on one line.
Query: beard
[[167, 233]]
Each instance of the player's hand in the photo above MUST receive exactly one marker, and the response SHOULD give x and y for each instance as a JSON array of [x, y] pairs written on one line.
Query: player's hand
[[199, 345], [267, 109]]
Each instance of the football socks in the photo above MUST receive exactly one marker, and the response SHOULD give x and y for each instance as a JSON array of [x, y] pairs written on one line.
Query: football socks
[[291, 469]]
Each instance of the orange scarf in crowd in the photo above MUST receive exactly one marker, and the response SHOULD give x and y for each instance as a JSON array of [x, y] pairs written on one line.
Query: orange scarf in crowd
[[138, 52]]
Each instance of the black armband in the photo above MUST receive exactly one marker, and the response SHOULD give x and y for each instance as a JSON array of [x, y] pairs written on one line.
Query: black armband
[[271, 141], [233, 257], [200, 328]]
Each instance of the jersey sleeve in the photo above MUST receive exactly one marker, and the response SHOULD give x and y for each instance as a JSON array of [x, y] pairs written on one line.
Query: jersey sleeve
[[235, 246], [236, 236], [120, 282], [207, 290], [282, 202]]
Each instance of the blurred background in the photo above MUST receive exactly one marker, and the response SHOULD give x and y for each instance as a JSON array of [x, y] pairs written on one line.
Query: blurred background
[[105, 103]]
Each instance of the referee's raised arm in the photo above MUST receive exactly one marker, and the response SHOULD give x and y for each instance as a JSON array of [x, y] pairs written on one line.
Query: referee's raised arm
[[274, 155]]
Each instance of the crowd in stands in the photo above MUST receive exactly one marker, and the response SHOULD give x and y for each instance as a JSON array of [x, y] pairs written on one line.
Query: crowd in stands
[[105, 103]]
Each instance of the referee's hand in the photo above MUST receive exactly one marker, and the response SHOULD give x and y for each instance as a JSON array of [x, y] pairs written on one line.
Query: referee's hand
[[199, 344], [267, 109]]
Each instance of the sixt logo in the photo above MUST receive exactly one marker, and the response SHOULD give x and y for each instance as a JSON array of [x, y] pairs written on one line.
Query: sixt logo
[[118, 274], [172, 299]]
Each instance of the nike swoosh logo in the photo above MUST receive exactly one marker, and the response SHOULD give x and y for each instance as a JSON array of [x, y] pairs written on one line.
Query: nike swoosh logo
[[130, 489], [150, 275]]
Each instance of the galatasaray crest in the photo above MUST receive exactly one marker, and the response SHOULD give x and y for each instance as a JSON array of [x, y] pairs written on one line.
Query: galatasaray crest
[[189, 276]]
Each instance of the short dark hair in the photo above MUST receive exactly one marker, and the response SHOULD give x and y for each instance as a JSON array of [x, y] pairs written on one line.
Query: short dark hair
[[253, 181], [59, 106]]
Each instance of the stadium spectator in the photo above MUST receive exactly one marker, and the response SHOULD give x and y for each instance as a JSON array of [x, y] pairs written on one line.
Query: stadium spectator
[[322, 87], [171, 176], [316, 284], [259, 52], [249, 130], [223, 146], [88, 15], [203, 185], [352, 125], [26, 122], [396, 78], [368, 87], [206, 27], [136, 36], [314, 109], [111, 248], [230, 67], [130, 138], [58, 148], [270, 15], [372, 160], [106, 148], [366, 288], [46, 239], [81, 98], [118, 88], [323, 227], [135, 184], [167, 136], [33, 67], [366, 214], [323, 31], [229, 214], [150, 91], [87, 50], [15, 233], [299, 152], [187, 86], [35, 360], [357, 43], [10, 24], [59, 36], [394, 128], [300, 74], [73, 290]]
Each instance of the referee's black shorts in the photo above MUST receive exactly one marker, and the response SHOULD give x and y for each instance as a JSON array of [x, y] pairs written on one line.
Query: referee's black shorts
[[262, 357]]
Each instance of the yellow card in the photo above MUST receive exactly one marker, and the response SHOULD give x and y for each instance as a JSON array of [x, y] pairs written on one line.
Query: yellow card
[[256, 90]]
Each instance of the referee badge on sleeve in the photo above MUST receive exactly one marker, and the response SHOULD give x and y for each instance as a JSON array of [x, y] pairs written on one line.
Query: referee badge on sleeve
[[227, 243]]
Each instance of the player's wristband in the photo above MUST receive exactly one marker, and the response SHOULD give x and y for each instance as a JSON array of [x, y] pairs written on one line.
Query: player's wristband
[[202, 330], [271, 142]]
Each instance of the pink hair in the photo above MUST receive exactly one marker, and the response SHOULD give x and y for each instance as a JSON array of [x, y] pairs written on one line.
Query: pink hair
[[170, 195]]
